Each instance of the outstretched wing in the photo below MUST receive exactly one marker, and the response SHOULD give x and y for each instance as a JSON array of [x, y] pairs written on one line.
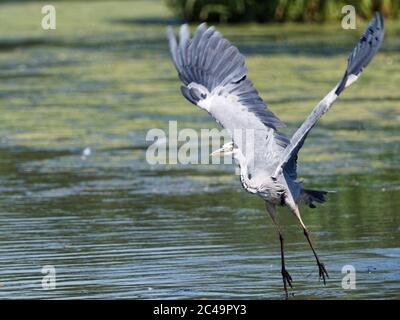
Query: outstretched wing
[[215, 78], [360, 57]]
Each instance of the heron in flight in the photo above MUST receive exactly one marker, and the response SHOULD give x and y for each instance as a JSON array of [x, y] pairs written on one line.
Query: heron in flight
[[215, 79]]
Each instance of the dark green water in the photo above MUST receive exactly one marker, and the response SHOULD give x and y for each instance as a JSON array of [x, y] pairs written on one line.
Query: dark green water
[[115, 227]]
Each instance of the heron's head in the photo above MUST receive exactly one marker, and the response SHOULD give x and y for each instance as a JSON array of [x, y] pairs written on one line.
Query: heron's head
[[227, 149]]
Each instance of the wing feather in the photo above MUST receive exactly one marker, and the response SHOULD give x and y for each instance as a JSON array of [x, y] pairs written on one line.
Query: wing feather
[[359, 58], [211, 62]]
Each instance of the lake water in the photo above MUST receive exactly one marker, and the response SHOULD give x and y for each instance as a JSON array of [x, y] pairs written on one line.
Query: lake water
[[114, 226]]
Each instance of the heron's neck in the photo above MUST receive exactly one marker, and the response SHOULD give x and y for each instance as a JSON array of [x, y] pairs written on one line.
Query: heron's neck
[[244, 173], [241, 161]]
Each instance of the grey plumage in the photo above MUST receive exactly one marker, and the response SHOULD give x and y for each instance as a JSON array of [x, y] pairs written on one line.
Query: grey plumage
[[359, 58], [365, 50], [215, 78], [210, 60]]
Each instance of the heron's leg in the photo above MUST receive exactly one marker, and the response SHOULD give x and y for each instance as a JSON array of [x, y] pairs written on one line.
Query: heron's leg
[[323, 274], [287, 279]]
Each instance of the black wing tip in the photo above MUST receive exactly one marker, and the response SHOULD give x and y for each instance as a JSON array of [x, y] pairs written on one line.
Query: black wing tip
[[373, 35], [378, 25], [379, 20], [365, 49]]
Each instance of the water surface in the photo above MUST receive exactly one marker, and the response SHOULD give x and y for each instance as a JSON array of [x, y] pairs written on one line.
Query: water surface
[[115, 227]]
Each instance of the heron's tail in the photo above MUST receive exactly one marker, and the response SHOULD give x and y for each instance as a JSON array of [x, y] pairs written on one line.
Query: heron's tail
[[308, 197]]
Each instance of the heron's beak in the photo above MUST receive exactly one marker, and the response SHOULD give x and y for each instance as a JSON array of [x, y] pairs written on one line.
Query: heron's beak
[[219, 152]]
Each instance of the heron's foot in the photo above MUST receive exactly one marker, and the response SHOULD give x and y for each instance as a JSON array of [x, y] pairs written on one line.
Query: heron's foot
[[287, 280], [323, 274]]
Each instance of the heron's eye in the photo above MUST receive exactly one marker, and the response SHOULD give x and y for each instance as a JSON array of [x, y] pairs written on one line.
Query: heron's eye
[[249, 176]]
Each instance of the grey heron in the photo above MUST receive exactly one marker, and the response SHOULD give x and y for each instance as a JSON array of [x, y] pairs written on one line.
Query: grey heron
[[215, 79]]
